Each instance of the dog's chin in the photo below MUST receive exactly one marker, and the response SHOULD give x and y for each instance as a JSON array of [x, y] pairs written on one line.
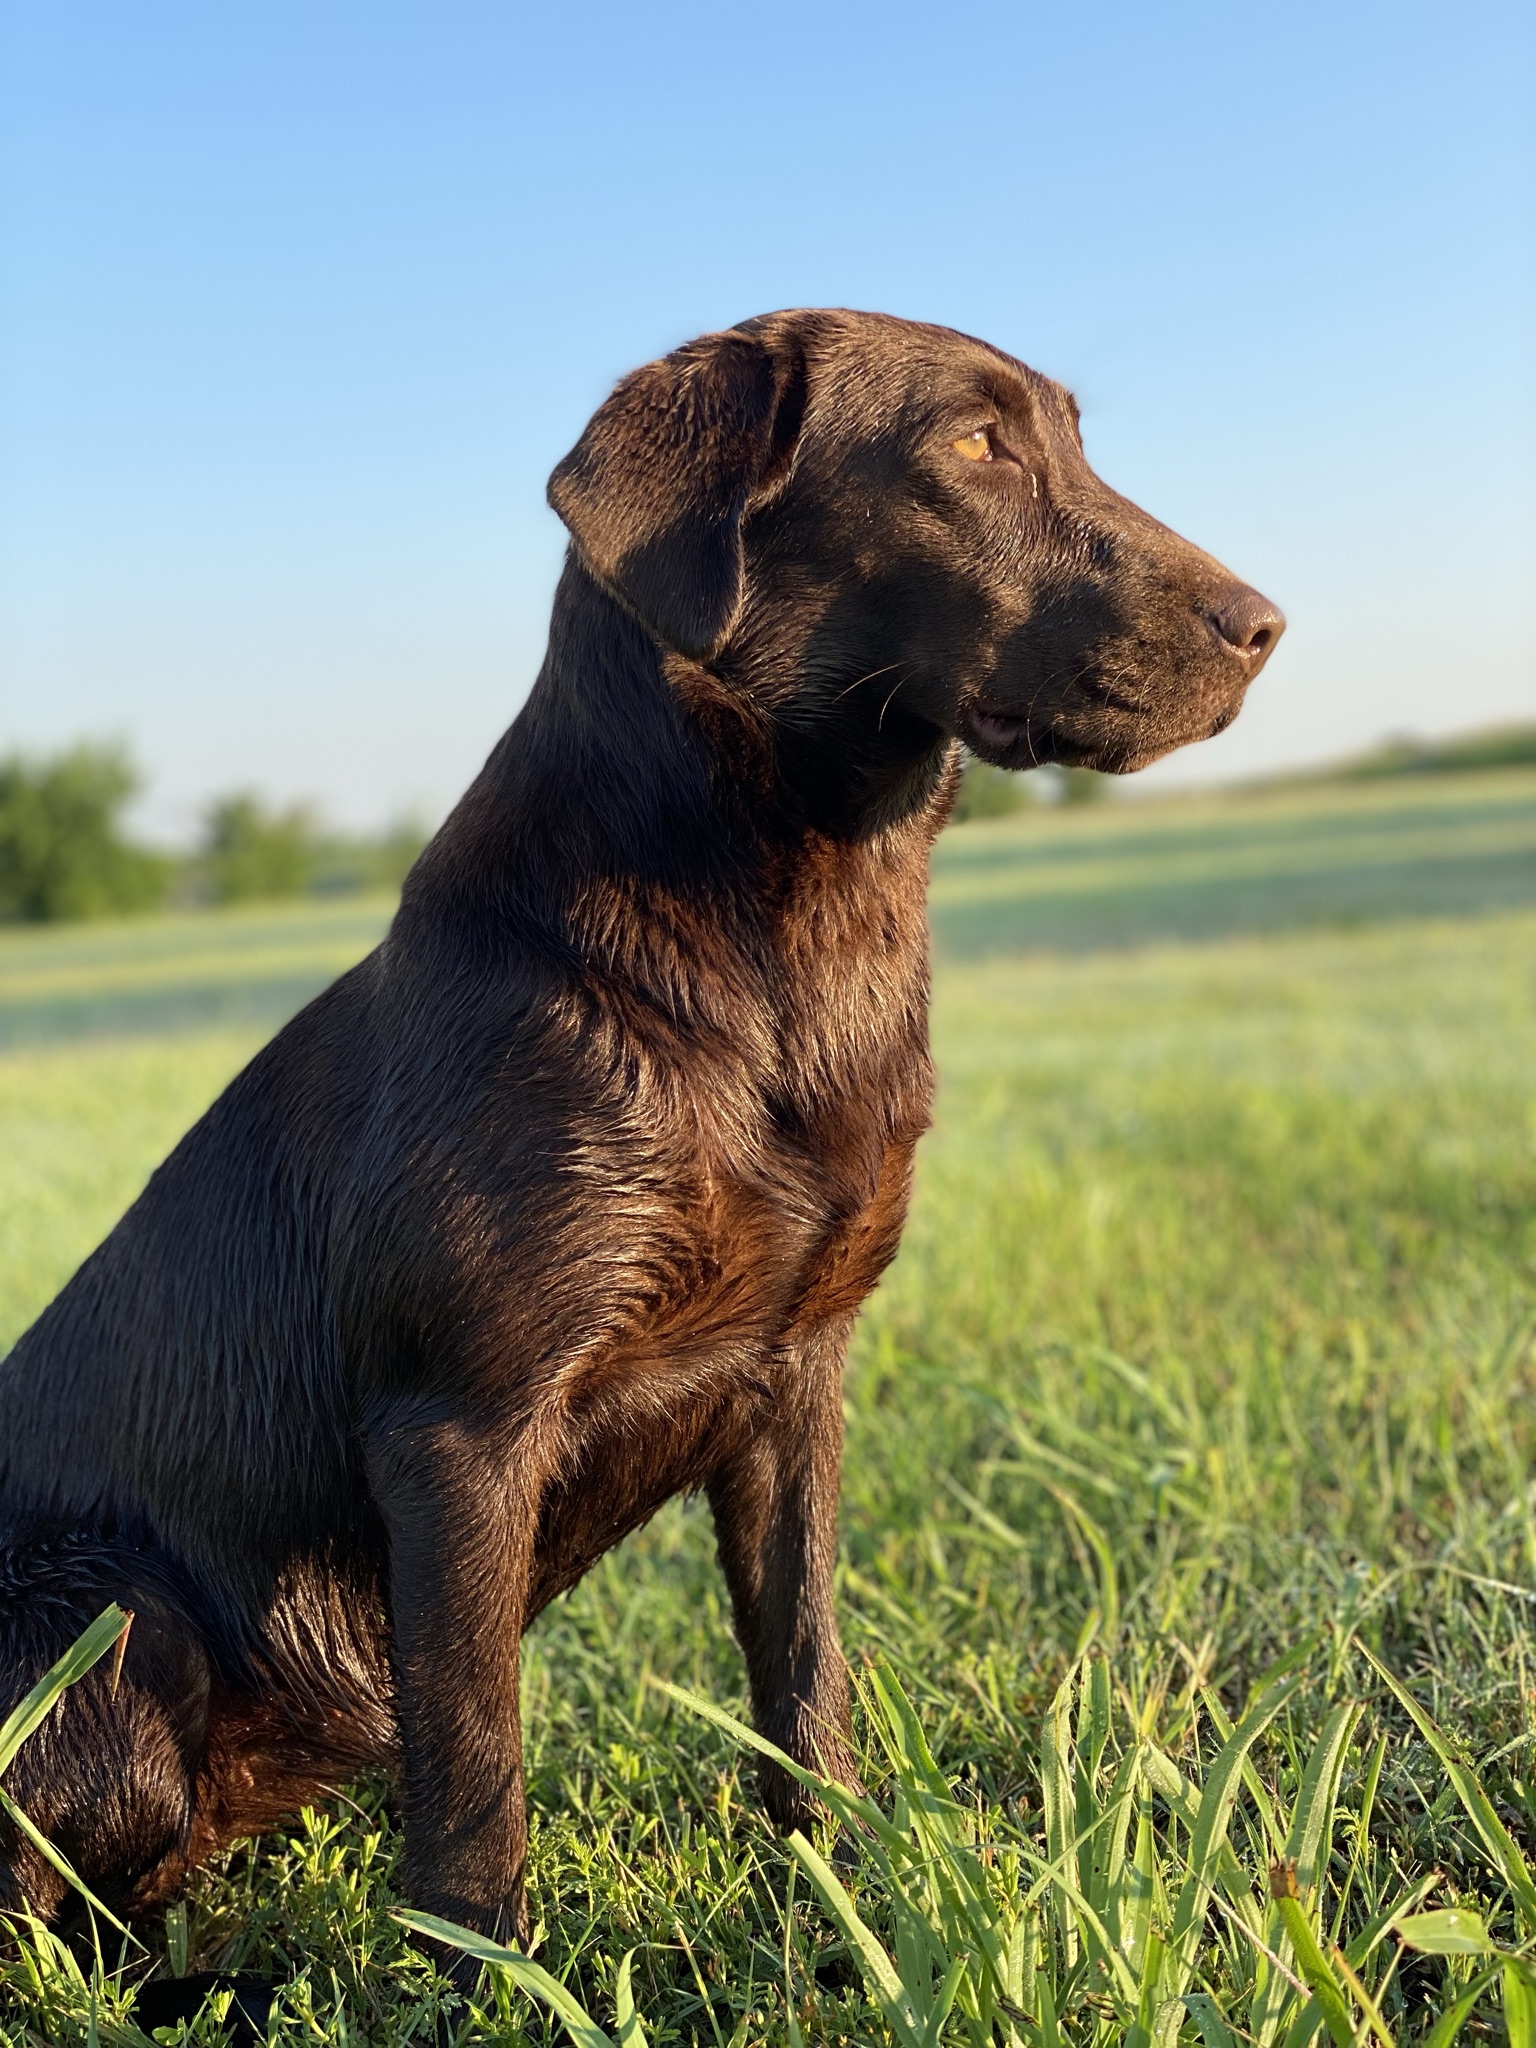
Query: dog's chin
[[1111, 741], [1020, 743]]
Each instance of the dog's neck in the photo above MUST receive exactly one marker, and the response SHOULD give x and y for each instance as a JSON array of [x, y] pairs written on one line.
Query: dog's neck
[[631, 762]]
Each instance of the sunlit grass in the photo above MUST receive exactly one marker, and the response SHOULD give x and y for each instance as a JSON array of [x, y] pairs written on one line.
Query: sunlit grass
[[1211, 1339], [244, 968]]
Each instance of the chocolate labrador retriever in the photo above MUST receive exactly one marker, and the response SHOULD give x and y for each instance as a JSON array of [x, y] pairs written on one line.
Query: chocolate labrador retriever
[[565, 1199]]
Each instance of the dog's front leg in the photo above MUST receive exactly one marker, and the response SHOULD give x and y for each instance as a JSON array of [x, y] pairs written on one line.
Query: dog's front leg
[[460, 1507], [775, 1509]]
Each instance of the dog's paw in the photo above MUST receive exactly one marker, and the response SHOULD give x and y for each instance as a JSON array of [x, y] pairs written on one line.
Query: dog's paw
[[166, 2001]]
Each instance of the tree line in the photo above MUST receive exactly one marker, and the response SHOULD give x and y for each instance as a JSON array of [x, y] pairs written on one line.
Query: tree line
[[66, 850], [988, 792]]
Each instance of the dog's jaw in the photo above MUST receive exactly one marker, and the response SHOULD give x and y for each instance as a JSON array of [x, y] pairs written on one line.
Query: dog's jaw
[[1115, 730]]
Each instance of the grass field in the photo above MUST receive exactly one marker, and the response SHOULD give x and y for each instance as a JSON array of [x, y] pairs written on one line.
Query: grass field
[[1211, 1346]]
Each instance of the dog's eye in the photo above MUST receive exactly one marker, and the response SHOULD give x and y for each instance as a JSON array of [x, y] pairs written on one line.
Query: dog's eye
[[975, 447]]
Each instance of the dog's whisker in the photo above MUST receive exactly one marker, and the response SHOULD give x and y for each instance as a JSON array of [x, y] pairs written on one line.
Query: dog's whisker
[[880, 722], [860, 680]]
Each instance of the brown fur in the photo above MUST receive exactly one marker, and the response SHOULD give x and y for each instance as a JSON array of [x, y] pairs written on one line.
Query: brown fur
[[565, 1199]]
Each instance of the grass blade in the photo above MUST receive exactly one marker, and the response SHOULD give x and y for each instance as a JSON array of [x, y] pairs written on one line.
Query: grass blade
[[1306, 1850], [898, 1724], [890, 1994], [631, 2028], [1212, 1818], [56, 1857], [1143, 2030], [1519, 2007], [1498, 1841], [953, 1978], [1057, 1794], [1104, 1557], [1327, 1988], [1451, 2021], [1214, 2031], [1311, 1821], [109, 1627], [849, 1808], [524, 1972], [1364, 2000]]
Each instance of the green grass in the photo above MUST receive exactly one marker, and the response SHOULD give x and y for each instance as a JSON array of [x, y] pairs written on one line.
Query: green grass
[[242, 969], [1318, 857], [1212, 1343]]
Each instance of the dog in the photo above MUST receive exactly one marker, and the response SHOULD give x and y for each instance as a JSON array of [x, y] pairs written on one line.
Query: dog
[[565, 1199]]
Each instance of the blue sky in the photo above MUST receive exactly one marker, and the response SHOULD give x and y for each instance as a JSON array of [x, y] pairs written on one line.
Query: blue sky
[[301, 302]]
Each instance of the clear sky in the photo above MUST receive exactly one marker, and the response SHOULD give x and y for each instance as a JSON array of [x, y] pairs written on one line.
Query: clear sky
[[302, 300]]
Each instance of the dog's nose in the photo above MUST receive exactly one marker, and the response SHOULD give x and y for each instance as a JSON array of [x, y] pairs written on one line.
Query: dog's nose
[[1247, 625]]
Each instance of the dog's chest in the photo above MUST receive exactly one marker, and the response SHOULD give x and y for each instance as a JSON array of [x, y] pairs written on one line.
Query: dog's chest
[[749, 1182], [776, 1181], [718, 1324], [744, 1104]]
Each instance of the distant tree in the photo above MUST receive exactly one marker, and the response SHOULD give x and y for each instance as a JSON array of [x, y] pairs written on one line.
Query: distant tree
[[62, 849], [396, 850], [988, 792], [1083, 786], [250, 852], [369, 861], [1495, 746]]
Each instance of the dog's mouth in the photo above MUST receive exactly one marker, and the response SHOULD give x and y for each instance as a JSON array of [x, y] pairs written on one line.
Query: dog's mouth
[[1015, 739], [991, 733], [1107, 728]]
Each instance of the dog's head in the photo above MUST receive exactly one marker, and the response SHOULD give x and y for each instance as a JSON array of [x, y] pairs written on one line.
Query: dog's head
[[881, 528]]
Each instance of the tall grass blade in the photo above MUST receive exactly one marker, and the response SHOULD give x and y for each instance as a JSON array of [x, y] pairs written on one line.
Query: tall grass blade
[[1455, 2017], [87, 1649], [1057, 1794], [905, 1739], [631, 2028], [1367, 2004], [1214, 2031], [1519, 2007], [853, 1811], [526, 1974], [1312, 1818], [1143, 2029], [1306, 1850], [57, 1859], [943, 2004], [1327, 1988], [1212, 1820], [1141, 1890], [1498, 1841], [108, 1629], [876, 1967], [1104, 1558]]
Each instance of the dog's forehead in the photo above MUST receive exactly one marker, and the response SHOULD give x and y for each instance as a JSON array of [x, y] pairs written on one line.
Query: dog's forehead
[[879, 362]]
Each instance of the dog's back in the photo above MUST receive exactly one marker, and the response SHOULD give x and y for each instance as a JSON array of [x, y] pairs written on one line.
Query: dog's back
[[188, 1379]]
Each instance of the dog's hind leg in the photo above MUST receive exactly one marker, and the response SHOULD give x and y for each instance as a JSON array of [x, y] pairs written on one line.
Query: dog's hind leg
[[110, 1776]]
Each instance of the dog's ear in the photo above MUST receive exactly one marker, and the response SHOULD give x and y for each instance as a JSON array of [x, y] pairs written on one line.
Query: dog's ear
[[655, 490]]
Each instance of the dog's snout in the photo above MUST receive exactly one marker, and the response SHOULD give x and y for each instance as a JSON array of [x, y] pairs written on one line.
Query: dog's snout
[[1247, 625]]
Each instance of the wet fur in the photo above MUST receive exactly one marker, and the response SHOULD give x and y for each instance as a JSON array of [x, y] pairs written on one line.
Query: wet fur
[[564, 1200]]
